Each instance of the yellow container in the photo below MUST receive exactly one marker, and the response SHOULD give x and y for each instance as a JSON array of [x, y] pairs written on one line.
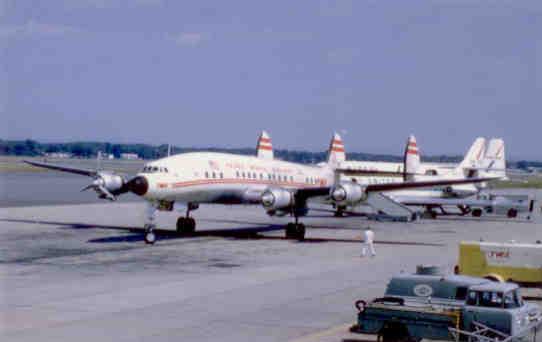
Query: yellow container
[[516, 262]]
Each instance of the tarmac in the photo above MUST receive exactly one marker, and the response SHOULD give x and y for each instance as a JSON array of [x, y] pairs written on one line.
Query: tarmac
[[82, 272]]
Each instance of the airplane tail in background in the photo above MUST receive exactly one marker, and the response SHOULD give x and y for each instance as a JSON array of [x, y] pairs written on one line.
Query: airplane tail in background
[[411, 161], [336, 152], [264, 148], [473, 158], [494, 161]]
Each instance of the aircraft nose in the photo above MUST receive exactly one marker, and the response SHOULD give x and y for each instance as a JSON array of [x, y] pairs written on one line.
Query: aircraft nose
[[139, 185]]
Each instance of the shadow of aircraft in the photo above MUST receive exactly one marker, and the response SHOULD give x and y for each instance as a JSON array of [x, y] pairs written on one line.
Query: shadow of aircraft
[[252, 233]]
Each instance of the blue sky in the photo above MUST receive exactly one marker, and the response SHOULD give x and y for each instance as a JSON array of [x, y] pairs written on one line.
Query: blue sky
[[215, 73]]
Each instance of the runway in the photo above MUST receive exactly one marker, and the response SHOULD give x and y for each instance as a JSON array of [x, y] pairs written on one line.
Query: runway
[[82, 272]]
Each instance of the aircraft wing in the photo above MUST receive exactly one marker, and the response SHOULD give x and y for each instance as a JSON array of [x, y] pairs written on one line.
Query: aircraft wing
[[303, 194], [422, 201], [63, 168], [424, 184]]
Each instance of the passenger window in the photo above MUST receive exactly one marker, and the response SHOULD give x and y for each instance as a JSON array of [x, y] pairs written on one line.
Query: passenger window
[[261, 176], [221, 175], [155, 169], [206, 174], [269, 176], [165, 169], [214, 175], [244, 175], [292, 179]]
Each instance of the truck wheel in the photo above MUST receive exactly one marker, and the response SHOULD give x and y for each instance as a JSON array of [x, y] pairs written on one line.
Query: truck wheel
[[512, 213], [395, 332], [477, 212]]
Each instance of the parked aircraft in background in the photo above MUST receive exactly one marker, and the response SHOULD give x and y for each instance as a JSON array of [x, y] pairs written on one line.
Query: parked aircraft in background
[[280, 187], [479, 161]]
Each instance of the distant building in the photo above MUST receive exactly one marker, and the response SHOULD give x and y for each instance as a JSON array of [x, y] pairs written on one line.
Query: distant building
[[131, 156], [58, 155]]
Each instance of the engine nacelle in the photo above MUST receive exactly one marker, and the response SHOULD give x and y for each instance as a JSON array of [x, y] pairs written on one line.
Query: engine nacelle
[[277, 200], [110, 181], [348, 193]]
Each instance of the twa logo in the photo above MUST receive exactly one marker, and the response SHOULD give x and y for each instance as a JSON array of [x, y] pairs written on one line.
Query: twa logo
[[498, 254]]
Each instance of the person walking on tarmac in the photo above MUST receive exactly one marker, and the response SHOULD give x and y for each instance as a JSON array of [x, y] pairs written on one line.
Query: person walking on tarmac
[[368, 243]]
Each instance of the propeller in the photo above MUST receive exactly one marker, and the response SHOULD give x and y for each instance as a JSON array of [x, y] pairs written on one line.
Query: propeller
[[107, 185]]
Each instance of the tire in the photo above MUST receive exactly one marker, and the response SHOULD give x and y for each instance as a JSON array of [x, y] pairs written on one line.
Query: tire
[[300, 232], [477, 212], [512, 213], [290, 231], [396, 332], [191, 225], [150, 238], [181, 221]]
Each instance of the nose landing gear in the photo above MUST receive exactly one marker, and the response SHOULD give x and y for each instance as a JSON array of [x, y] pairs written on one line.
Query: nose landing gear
[[150, 237]]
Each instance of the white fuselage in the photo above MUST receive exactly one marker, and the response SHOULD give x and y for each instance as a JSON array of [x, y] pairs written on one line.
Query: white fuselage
[[205, 177], [433, 171]]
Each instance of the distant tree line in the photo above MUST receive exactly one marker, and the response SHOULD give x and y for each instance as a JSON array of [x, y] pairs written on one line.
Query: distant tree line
[[90, 150]]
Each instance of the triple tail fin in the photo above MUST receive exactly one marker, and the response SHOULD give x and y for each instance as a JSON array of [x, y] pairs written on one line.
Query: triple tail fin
[[264, 149], [473, 158], [336, 153], [411, 160], [494, 161]]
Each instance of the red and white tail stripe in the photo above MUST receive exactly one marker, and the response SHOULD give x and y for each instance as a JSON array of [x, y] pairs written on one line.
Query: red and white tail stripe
[[265, 148], [412, 159], [412, 147], [336, 153]]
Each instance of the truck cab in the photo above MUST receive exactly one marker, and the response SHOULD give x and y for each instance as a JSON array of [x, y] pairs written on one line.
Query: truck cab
[[498, 306]]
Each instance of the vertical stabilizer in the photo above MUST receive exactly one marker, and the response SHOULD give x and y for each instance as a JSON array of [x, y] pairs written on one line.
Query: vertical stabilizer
[[336, 152], [411, 161], [475, 154], [264, 149], [494, 161]]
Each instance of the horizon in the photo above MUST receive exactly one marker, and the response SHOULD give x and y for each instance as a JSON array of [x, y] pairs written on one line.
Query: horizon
[[280, 149]]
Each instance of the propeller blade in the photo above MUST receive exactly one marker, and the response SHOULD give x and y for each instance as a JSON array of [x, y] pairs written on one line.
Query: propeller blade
[[90, 186], [106, 193]]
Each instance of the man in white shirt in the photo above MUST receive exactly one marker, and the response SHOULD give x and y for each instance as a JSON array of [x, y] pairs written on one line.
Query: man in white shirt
[[368, 242]]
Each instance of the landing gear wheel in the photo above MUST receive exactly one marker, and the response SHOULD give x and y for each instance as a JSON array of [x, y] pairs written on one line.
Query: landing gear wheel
[[300, 231], [290, 231], [477, 212], [181, 222], [191, 225], [512, 213], [150, 237], [186, 225]]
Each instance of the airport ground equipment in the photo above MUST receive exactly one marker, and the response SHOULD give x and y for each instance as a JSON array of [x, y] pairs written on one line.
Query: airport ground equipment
[[509, 205], [510, 261], [447, 307]]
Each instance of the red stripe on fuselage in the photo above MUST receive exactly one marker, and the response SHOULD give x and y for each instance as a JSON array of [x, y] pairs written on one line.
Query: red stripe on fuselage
[[242, 181]]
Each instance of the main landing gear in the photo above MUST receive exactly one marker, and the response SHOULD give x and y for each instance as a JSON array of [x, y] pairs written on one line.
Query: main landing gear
[[186, 224], [295, 230]]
